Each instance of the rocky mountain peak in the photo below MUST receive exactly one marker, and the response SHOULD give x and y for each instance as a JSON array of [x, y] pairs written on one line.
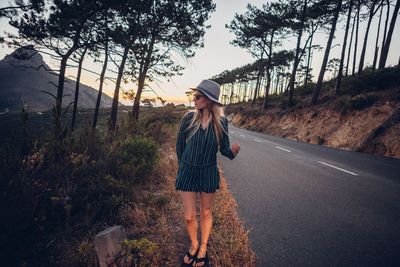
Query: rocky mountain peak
[[25, 57]]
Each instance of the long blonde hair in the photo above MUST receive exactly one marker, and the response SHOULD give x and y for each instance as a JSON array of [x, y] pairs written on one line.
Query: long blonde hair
[[215, 118]]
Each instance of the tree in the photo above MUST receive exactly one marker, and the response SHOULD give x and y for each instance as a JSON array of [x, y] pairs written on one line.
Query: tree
[[259, 31], [60, 31], [351, 41], [318, 86], [170, 26], [77, 83], [377, 39], [124, 33], [333, 66], [303, 19], [162, 100], [308, 76], [249, 36], [189, 95], [148, 102], [340, 72], [385, 50], [128, 95], [373, 8], [358, 5], [386, 24], [104, 31], [21, 5]]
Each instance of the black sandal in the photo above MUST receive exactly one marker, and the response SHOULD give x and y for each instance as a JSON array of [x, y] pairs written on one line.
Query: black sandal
[[190, 257], [205, 260]]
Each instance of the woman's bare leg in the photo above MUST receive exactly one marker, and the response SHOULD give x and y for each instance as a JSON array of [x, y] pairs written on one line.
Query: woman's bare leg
[[206, 200], [189, 206]]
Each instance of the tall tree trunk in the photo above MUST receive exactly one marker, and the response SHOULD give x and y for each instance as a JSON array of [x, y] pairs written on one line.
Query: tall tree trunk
[[282, 81], [231, 96], [308, 59], [267, 87], [258, 78], [356, 39], [377, 39], [296, 58], [265, 105], [240, 92], [262, 81], [326, 56], [385, 51], [78, 79], [287, 76], [114, 107], [362, 57], [102, 74], [245, 92], [340, 72], [61, 79], [142, 78], [386, 25], [277, 82], [349, 51]]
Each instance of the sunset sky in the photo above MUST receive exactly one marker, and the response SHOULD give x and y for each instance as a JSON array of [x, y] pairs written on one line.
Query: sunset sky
[[219, 55]]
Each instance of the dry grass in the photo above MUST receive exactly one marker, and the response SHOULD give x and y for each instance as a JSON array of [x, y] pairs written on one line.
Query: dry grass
[[229, 243], [158, 216]]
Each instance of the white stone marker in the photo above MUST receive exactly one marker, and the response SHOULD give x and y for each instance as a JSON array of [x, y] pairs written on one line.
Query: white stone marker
[[108, 244]]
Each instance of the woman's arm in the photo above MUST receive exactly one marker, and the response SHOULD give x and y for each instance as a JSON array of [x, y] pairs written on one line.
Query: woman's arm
[[181, 139], [225, 148]]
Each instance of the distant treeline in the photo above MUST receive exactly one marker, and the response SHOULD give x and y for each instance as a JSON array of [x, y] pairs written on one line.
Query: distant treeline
[[262, 31]]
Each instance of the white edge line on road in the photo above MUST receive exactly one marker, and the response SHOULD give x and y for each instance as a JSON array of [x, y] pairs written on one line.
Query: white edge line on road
[[242, 135], [257, 140], [284, 149], [343, 170]]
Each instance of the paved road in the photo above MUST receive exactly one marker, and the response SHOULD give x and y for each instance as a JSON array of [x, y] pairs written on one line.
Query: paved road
[[309, 205]]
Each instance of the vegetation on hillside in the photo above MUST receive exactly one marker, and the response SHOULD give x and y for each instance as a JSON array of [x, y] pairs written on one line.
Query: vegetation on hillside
[[356, 93], [59, 190], [266, 33]]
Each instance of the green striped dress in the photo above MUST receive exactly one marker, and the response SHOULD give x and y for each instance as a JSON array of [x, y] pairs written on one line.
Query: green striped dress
[[197, 157]]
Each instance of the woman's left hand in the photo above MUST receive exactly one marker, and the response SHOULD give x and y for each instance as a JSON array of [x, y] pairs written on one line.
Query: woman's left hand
[[235, 148]]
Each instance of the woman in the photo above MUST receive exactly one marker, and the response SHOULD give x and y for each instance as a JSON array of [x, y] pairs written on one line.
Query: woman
[[201, 133]]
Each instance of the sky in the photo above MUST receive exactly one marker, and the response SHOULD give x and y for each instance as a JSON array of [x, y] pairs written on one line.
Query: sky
[[219, 55]]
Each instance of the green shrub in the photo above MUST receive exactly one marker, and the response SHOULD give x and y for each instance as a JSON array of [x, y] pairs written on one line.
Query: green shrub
[[343, 102], [133, 159], [371, 81], [65, 187], [139, 252], [304, 90]]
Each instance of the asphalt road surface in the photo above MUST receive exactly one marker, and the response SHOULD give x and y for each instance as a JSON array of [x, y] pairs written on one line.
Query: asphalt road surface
[[309, 205]]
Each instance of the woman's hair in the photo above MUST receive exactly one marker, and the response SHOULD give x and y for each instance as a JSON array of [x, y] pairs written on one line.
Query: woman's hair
[[215, 118]]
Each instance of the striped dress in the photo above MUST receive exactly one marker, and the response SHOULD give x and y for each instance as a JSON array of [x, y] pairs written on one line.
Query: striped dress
[[197, 157]]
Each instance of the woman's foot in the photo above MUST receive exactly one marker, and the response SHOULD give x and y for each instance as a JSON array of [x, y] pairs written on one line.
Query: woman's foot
[[191, 254], [202, 257]]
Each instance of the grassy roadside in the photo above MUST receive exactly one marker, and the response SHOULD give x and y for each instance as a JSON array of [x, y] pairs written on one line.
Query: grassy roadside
[[159, 217], [55, 196]]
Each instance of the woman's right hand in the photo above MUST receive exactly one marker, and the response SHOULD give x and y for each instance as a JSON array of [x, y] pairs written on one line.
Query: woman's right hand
[[235, 148]]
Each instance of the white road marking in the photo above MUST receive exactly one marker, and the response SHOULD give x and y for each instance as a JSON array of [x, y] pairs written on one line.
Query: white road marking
[[257, 140], [284, 149], [343, 170], [242, 135]]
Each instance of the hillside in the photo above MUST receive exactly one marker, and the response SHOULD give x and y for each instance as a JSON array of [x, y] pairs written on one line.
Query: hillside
[[23, 76], [363, 119]]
